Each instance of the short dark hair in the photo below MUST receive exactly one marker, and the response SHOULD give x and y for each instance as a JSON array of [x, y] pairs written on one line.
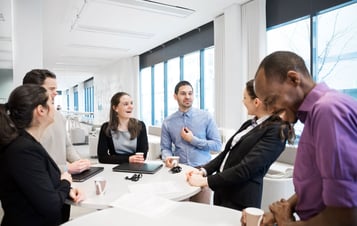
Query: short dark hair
[[182, 83], [37, 76], [277, 64]]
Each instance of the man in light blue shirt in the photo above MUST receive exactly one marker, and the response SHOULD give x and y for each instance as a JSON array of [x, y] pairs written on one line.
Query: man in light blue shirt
[[189, 133]]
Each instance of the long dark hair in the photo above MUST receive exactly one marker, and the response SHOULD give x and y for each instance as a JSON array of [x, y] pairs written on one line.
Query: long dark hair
[[17, 113], [134, 126], [286, 129]]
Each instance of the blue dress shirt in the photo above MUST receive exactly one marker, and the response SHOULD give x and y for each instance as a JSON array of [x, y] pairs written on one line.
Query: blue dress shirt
[[206, 137]]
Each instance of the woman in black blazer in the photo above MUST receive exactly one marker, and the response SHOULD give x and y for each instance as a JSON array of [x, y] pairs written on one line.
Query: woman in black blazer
[[123, 136], [33, 190], [236, 174]]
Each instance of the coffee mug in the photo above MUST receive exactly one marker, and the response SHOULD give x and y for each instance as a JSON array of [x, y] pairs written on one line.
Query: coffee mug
[[175, 160], [253, 216], [100, 184]]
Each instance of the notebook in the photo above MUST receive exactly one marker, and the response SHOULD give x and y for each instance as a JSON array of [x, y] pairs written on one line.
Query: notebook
[[147, 168], [80, 177]]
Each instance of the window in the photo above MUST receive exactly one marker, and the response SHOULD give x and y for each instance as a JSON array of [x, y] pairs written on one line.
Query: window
[[145, 92], [75, 98], [89, 99], [173, 77], [191, 73], [67, 99], [328, 43], [157, 94], [208, 66], [336, 49], [158, 89]]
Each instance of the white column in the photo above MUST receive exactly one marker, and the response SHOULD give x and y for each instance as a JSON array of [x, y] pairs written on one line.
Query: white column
[[27, 37], [230, 81], [240, 37]]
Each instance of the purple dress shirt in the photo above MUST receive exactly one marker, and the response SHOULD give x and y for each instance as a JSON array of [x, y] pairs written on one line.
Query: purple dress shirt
[[325, 171]]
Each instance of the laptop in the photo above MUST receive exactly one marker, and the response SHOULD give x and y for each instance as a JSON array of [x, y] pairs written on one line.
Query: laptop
[[80, 177], [146, 168]]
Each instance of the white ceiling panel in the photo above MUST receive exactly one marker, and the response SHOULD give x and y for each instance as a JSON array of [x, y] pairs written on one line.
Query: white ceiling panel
[[82, 35]]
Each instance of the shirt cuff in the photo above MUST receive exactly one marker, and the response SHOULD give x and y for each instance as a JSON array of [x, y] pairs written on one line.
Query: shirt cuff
[[204, 172]]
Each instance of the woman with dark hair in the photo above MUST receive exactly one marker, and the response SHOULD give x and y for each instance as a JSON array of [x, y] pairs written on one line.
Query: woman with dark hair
[[33, 190], [236, 174], [123, 136]]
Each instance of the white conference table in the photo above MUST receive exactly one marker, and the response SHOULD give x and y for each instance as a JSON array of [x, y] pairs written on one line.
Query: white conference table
[[163, 183], [177, 214]]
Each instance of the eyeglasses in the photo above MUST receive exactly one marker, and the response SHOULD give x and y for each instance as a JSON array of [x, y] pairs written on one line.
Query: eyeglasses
[[134, 177]]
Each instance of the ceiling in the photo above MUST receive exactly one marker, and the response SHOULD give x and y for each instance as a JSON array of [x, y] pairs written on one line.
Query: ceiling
[[81, 36]]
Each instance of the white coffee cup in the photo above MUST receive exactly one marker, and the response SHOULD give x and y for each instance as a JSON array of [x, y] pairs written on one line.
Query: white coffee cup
[[175, 160], [253, 216], [100, 185]]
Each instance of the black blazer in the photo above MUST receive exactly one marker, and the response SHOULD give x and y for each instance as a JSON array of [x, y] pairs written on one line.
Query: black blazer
[[106, 152], [31, 190], [240, 185]]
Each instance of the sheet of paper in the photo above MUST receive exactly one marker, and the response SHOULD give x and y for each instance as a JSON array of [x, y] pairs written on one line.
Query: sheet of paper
[[149, 205], [157, 188]]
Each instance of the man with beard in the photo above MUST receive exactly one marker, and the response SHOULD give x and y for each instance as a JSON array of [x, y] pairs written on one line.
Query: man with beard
[[189, 133]]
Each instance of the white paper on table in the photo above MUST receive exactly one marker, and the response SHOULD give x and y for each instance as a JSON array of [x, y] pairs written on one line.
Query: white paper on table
[[156, 188], [150, 205]]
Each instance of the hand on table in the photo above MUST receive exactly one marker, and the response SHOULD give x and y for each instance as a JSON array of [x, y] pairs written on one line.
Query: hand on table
[[282, 212], [79, 166], [76, 195], [136, 159], [195, 178], [171, 162]]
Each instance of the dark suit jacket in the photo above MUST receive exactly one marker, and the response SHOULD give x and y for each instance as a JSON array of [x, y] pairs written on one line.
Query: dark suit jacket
[[106, 152], [240, 184], [31, 191]]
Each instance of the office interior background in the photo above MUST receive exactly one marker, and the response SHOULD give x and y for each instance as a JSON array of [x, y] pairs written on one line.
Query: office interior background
[[99, 47]]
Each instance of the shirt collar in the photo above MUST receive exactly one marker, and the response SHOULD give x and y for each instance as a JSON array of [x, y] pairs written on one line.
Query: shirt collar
[[262, 119], [314, 95], [187, 113]]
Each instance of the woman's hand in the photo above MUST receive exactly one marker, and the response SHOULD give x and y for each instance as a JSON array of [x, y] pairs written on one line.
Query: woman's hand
[[66, 176], [193, 171], [196, 179], [76, 195], [137, 158]]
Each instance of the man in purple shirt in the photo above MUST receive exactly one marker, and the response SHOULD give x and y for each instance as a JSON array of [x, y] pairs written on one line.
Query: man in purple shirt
[[325, 172]]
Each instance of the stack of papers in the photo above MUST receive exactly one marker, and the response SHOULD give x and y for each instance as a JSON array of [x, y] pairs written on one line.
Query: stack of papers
[[157, 188], [144, 204]]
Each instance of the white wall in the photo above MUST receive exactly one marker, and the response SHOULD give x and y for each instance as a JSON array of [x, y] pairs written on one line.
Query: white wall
[[5, 84], [27, 38], [122, 75]]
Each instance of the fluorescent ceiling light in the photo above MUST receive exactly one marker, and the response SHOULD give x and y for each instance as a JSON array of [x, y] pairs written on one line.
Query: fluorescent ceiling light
[[98, 47], [130, 34], [152, 6]]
